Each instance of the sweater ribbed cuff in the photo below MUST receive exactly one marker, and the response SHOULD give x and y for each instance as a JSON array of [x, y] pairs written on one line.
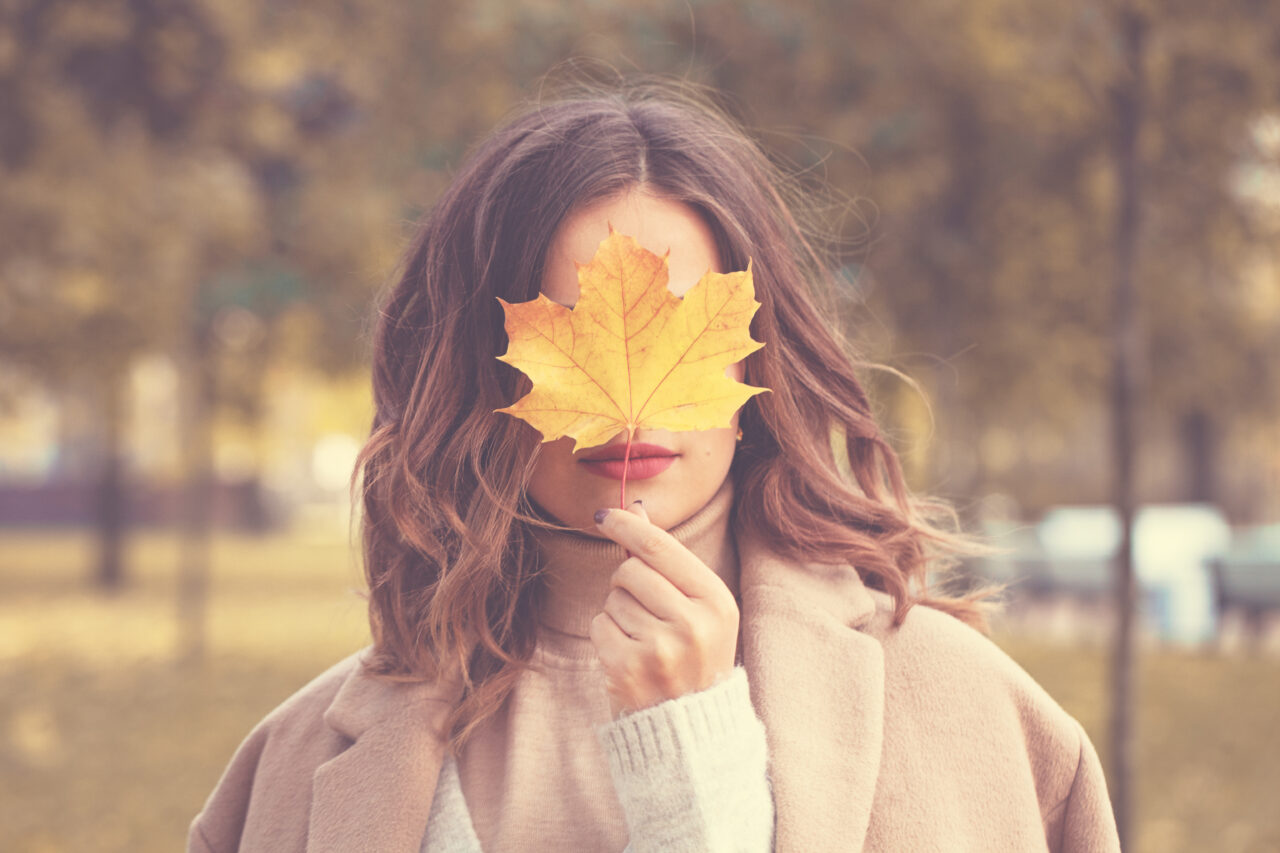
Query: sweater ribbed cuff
[[689, 723], [691, 772]]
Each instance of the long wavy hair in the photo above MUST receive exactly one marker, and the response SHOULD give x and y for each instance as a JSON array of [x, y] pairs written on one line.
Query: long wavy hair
[[451, 565]]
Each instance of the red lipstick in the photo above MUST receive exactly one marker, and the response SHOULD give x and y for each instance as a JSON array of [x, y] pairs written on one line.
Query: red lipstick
[[647, 460]]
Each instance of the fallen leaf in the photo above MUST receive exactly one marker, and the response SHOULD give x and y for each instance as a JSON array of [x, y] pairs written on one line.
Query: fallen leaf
[[630, 353]]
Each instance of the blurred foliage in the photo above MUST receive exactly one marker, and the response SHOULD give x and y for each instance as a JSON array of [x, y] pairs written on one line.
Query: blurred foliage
[[106, 745], [188, 170]]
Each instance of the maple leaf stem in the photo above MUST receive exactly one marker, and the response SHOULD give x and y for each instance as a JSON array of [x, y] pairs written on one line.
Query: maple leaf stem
[[626, 466]]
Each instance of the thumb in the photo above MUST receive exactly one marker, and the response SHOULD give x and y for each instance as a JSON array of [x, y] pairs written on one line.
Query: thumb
[[637, 507]]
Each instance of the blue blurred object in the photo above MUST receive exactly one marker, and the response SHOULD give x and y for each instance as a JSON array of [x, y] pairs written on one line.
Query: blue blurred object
[[1247, 578]]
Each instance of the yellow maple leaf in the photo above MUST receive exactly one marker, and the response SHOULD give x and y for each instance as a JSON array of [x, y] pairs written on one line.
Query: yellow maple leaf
[[630, 353]]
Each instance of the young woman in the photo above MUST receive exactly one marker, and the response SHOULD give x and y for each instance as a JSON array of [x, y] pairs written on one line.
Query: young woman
[[744, 658]]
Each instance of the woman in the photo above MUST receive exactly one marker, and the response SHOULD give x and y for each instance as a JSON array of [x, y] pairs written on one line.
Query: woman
[[745, 658]]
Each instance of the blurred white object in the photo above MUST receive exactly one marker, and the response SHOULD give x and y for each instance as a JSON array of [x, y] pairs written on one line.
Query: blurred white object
[[1080, 532], [332, 460]]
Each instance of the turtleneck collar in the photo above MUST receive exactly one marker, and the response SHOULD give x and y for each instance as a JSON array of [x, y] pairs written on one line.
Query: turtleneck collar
[[578, 568]]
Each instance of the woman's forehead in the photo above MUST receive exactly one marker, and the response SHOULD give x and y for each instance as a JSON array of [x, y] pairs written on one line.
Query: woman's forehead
[[658, 224]]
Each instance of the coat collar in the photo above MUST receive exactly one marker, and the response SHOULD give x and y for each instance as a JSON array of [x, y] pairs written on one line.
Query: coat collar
[[376, 794], [801, 626]]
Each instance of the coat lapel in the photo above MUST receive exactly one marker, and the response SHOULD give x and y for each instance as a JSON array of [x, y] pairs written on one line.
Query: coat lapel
[[818, 684], [376, 795]]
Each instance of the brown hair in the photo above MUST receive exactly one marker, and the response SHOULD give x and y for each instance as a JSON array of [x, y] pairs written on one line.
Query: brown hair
[[450, 561]]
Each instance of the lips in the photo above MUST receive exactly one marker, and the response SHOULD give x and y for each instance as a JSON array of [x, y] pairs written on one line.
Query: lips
[[647, 460], [639, 450]]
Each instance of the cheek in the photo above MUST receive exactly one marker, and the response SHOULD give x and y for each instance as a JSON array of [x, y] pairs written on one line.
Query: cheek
[[552, 460], [719, 445]]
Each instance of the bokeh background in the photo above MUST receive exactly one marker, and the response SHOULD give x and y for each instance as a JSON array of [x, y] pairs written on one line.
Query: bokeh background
[[199, 201]]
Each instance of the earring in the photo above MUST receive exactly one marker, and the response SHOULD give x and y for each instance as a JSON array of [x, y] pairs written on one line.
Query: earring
[[739, 433]]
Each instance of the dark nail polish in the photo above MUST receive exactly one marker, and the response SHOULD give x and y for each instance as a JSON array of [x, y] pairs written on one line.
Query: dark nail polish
[[600, 514]]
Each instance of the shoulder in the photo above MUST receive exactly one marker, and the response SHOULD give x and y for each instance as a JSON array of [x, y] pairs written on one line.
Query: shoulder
[[931, 645], [963, 688], [308, 704], [271, 771], [300, 719]]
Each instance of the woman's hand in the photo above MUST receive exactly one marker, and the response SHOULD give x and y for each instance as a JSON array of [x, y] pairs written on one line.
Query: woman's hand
[[669, 625]]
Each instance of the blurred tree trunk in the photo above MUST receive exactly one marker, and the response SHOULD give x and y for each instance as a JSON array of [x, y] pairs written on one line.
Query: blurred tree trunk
[[952, 267], [196, 436], [1127, 103], [110, 513], [1198, 446]]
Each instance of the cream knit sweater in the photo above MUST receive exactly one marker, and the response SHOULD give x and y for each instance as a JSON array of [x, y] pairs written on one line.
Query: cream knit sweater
[[553, 771]]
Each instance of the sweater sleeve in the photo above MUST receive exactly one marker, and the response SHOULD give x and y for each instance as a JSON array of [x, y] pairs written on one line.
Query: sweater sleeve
[[692, 772]]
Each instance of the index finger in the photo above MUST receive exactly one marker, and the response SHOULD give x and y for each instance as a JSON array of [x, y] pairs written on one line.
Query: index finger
[[662, 551]]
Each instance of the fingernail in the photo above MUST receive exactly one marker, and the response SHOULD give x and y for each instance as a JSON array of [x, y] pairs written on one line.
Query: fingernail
[[600, 515]]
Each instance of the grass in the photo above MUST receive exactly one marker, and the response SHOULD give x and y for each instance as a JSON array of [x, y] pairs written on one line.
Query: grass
[[106, 744]]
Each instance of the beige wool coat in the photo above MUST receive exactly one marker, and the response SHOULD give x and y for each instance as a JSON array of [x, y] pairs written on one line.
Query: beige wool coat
[[922, 738]]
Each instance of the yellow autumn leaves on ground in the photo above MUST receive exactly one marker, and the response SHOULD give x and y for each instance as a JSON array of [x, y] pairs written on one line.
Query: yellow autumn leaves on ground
[[630, 353]]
